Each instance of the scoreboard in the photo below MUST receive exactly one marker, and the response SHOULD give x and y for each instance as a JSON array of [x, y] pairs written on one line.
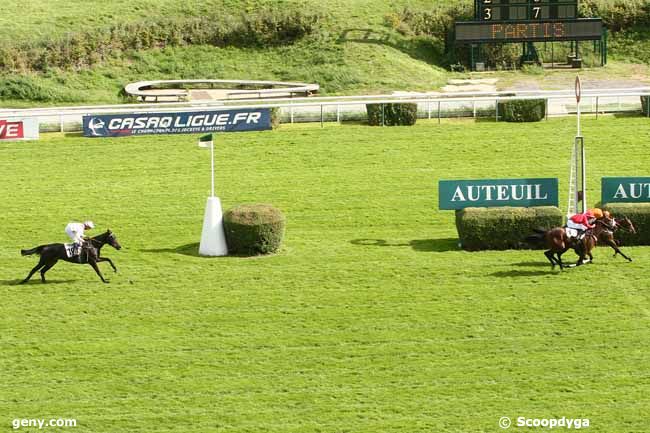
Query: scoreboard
[[529, 31], [527, 21], [519, 10]]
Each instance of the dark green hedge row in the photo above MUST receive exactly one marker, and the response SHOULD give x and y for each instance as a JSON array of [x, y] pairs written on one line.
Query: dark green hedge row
[[639, 214], [275, 117], [253, 229], [393, 114], [645, 105], [520, 110], [84, 49], [503, 228]]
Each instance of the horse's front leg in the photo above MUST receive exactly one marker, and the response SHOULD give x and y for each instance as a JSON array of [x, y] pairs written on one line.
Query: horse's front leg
[[618, 251], [106, 259], [96, 268]]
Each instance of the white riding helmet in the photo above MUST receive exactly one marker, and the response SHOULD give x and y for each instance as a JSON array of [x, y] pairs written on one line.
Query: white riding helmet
[[89, 224]]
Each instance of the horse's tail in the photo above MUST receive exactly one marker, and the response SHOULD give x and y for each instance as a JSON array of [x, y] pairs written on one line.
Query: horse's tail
[[36, 250], [539, 236]]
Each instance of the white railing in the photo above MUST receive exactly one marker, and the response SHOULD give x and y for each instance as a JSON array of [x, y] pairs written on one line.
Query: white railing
[[343, 108]]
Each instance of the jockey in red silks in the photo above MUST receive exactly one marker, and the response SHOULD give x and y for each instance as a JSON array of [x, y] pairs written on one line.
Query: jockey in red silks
[[582, 222]]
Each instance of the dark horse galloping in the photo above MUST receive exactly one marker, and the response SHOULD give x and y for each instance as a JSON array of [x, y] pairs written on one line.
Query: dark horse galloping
[[91, 249], [606, 228], [558, 242]]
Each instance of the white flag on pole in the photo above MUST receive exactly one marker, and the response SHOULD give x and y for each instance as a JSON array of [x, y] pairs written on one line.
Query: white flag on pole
[[205, 141]]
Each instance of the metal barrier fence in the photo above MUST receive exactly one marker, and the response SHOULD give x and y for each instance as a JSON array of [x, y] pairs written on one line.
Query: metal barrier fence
[[353, 108]]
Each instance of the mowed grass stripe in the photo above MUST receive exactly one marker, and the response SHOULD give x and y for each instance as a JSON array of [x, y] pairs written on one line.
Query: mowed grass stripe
[[369, 318]]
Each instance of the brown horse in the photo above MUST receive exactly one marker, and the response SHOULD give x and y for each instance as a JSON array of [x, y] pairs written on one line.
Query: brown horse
[[605, 229], [584, 246], [558, 242]]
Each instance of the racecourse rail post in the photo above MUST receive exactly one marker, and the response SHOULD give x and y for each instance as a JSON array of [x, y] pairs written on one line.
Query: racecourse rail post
[[581, 185]]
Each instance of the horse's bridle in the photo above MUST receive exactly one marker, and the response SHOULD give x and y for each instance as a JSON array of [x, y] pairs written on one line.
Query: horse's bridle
[[627, 229]]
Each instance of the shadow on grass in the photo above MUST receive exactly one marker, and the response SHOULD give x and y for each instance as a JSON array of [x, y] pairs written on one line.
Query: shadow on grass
[[186, 250], [515, 273], [422, 245], [192, 250], [16, 282], [628, 114], [533, 264]]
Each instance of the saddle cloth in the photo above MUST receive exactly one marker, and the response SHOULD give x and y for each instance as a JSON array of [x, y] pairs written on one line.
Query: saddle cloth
[[69, 250], [572, 233]]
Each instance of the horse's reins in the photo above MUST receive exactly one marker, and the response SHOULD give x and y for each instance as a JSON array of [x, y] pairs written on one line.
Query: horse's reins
[[627, 229]]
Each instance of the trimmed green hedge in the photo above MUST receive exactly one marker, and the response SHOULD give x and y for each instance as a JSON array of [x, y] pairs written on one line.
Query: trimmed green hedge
[[275, 118], [394, 114], [522, 110], [639, 214], [253, 229], [503, 228], [645, 105]]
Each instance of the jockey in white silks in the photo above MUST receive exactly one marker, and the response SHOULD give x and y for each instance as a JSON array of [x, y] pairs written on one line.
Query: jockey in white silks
[[76, 232]]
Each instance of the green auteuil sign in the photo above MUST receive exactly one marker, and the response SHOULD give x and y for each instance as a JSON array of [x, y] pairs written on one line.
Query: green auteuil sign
[[459, 194], [625, 190]]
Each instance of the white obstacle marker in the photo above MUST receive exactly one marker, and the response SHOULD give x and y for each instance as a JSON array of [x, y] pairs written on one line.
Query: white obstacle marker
[[213, 236]]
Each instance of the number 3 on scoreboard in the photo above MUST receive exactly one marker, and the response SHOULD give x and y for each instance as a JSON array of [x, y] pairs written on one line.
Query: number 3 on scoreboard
[[488, 14], [487, 11]]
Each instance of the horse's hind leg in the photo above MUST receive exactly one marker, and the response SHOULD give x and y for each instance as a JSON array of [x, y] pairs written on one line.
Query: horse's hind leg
[[40, 264], [549, 256], [47, 268], [559, 258]]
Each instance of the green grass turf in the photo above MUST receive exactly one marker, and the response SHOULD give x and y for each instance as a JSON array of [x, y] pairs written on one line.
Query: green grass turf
[[37, 19], [368, 320]]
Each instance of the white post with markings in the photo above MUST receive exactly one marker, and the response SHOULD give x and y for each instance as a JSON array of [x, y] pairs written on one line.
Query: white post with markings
[[213, 237]]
